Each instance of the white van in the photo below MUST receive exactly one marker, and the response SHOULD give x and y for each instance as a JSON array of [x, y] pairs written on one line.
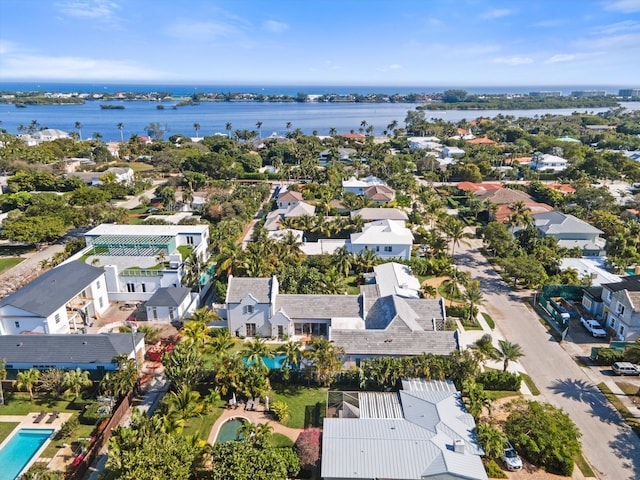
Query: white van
[[625, 368]]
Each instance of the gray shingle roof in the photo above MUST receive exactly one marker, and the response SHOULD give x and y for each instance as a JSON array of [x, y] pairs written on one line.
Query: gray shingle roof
[[56, 349], [239, 288], [631, 283], [54, 288], [168, 297], [555, 222], [396, 343], [319, 306]]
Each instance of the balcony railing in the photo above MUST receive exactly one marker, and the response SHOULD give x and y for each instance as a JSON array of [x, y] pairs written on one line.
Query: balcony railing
[[141, 273]]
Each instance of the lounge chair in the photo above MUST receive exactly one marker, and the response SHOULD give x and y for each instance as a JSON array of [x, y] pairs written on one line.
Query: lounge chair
[[40, 417], [52, 417]]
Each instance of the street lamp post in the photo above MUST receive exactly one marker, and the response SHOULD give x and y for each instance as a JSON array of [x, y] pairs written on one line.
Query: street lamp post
[[134, 330]]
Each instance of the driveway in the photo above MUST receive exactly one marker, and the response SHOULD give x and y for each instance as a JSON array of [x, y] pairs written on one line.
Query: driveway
[[609, 444]]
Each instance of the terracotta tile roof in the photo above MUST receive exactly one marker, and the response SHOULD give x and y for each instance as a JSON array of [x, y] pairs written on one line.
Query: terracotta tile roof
[[481, 141], [462, 131], [562, 188], [478, 187], [355, 136], [504, 210]]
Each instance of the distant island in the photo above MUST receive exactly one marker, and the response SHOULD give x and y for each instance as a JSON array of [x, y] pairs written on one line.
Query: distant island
[[447, 100]]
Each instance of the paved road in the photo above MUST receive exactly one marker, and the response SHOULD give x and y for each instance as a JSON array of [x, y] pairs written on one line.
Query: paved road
[[609, 444]]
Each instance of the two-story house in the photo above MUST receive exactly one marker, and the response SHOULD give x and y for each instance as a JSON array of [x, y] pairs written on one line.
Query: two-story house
[[621, 307], [544, 162], [388, 239], [571, 232]]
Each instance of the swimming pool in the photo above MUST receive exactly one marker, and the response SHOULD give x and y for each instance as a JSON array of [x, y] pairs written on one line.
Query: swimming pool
[[229, 430], [15, 455], [274, 363]]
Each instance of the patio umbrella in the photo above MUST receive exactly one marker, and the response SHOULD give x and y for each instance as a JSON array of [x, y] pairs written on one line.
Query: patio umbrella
[[266, 403], [233, 399]]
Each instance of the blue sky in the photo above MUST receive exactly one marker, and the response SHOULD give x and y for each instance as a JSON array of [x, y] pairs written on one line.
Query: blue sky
[[346, 42]]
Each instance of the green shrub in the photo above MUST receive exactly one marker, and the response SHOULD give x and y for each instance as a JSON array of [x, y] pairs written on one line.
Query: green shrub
[[499, 380], [607, 356], [280, 411], [68, 429], [92, 414], [493, 469]]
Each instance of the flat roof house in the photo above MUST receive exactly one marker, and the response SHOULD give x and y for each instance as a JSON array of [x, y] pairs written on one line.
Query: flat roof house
[[61, 300], [421, 432], [388, 239]]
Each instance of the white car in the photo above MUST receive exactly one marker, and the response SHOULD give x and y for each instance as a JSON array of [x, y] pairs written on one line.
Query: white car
[[510, 458], [593, 327]]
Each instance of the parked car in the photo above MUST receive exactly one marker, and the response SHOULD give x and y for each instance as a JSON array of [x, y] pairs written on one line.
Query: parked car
[[593, 327], [510, 458], [625, 368]]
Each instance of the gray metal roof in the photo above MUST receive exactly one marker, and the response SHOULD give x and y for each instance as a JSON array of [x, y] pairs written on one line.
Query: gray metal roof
[[56, 349], [379, 405], [396, 344], [54, 288], [319, 306], [418, 446], [168, 297], [554, 223], [240, 287]]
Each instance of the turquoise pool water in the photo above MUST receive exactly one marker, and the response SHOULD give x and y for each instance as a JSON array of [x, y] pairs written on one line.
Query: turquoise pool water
[[274, 363], [22, 446], [228, 430]]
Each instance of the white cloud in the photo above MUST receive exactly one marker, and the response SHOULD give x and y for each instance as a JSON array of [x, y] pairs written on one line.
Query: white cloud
[[496, 13], [624, 26], [104, 10], [72, 68], [275, 27], [513, 60], [189, 30], [625, 6], [561, 57]]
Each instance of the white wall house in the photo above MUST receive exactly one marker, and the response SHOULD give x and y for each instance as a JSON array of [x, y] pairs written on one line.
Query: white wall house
[[63, 300], [287, 198], [358, 186], [452, 152], [621, 307], [388, 239], [139, 259], [543, 162], [170, 304]]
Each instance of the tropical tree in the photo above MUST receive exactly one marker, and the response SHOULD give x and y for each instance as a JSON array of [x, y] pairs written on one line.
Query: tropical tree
[[477, 398], [221, 343], [491, 439], [288, 127], [76, 380], [229, 258], [456, 279], [205, 315], [28, 380], [326, 358], [121, 129], [483, 348], [196, 333], [183, 365], [121, 382], [228, 127], [366, 260], [78, 126], [454, 229], [510, 352], [473, 296], [184, 404], [196, 127], [292, 351], [259, 127], [256, 351]]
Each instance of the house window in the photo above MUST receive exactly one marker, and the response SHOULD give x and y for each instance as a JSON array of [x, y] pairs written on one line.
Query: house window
[[98, 284], [586, 303], [388, 249], [100, 302], [154, 312], [377, 248], [620, 309], [247, 309], [621, 330], [144, 287], [250, 329], [189, 240], [131, 287], [57, 318], [17, 324], [609, 295], [172, 313]]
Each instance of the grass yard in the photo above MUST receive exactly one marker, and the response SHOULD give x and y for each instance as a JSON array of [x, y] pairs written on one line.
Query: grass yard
[[83, 431], [584, 467], [353, 288], [278, 440], [307, 406], [532, 386], [489, 320], [6, 428], [204, 423], [18, 403], [6, 263], [633, 422], [499, 394]]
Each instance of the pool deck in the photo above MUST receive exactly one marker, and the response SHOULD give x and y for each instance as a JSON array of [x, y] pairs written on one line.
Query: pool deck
[[255, 416], [27, 421]]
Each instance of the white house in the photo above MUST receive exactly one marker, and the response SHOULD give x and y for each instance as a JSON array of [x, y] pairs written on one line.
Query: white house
[[621, 307], [424, 143], [139, 259], [393, 278], [344, 154], [544, 162], [44, 135], [170, 304], [571, 232], [452, 152], [358, 186], [288, 198], [121, 175], [388, 239], [62, 300]]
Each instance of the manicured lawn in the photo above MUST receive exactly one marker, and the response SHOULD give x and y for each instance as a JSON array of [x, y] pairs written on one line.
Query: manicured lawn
[[633, 422], [279, 440], [489, 320], [83, 431], [584, 467], [204, 423], [6, 428], [307, 406], [353, 288], [532, 386], [6, 263], [17, 403], [498, 394]]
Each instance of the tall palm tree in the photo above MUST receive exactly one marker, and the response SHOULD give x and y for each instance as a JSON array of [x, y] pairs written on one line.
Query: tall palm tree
[[510, 352], [343, 260], [454, 230], [288, 127], [473, 296], [221, 343], [27, 380], [75, 380], [205, 315], [184, 404], [256, 351], [292, 351], [196, 126], [229, 258], [196, 332], [491, 439], [78, 126], [229, 127], [367, 259], [333, 132], [259, 127], [326, 359], [121, 129]]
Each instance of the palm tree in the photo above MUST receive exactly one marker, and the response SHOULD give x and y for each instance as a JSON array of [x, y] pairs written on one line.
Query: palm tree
[[367, 259], [205, 315], [27, 380], [491, 439], [262, 435], [343, 260], [78, 126], [510, 352], [453, 283], [483, 348], [255, 352], [229, 127], [288, 127], [75, 380], [259, 127], [121, 129], [292, 351], [221, 343], [326, 358], [229, 258], [196, 332], [184, 404], [473, 296], [333, 132], [454, 230], [246, 431], [392, 126], [196, 126]]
